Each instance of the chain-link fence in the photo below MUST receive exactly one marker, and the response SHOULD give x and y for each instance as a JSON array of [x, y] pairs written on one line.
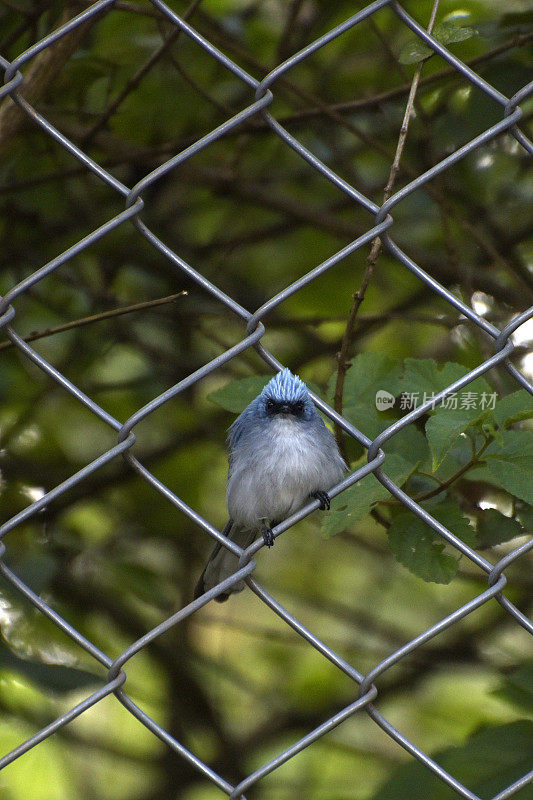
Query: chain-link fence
[[380, 223]]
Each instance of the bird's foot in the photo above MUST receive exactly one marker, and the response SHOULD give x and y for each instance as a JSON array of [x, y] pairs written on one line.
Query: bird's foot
[[324, 499], [268, 536]]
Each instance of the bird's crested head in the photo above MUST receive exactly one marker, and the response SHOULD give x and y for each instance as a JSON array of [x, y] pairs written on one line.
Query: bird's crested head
[[286, 394], [285, 397]]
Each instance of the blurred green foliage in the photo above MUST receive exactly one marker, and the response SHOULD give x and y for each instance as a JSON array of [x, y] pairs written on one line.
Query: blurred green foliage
[[112, 556]]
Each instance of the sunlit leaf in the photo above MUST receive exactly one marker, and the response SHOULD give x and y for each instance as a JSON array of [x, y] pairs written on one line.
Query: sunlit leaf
[[416, 50]]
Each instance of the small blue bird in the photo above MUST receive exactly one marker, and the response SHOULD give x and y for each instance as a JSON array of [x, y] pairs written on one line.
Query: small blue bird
[[281, 456]]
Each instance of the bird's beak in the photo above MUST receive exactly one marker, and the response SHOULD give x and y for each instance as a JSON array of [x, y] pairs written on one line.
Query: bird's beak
[[285, 408]]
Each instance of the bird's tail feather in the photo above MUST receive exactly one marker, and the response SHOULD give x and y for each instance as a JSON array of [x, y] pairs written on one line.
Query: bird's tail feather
[[222, 562]]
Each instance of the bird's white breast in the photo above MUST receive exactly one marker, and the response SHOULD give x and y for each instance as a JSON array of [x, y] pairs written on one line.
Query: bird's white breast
[[277, 475]]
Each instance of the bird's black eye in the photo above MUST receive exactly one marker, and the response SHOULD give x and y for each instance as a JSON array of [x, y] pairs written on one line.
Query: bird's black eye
[[270, 406], [298, 408]]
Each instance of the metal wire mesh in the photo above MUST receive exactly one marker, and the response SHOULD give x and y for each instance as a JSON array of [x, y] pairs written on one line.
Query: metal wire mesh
[[381, 222]]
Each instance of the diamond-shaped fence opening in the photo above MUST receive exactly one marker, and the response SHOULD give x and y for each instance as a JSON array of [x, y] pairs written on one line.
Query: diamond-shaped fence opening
[[254, 101]]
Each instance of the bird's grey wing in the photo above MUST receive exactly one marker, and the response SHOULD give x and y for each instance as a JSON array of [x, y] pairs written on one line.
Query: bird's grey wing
[[222, 562]]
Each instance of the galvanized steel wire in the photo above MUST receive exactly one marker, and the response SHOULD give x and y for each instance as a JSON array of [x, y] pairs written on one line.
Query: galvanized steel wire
[[381, 223]]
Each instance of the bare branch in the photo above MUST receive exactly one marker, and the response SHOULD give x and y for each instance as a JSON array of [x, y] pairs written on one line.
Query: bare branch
[[348, 337], [114, 312]]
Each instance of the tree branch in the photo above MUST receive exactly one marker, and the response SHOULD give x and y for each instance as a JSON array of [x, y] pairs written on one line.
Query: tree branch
[[349, 333], [43, 69], [114, 312]]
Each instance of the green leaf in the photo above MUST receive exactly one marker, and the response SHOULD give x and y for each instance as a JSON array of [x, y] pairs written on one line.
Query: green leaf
[[423, 376], [494, 528], [422, 379], [459, 454], [235, 396], [442, 430], [370, 373], [357, 501], [513, 408], [415, 546], [451, 32], [445, 427], [416, 50], [491, 759], [410, 444], [510, 463], [419, 548], [517, 688], [448, 513]]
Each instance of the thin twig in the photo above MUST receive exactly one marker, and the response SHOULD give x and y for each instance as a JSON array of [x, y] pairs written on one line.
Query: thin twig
[[455, 477], [284, 43], [376, 100], [343, 355], [346, 106], [113, 312], [476, 456], [30, 18], [259, 126]]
